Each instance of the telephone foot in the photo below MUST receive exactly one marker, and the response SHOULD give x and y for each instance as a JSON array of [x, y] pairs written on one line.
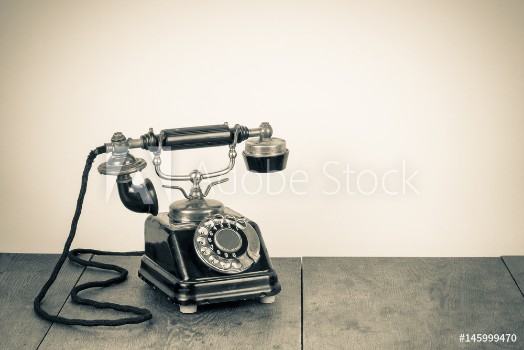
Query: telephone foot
[[188, 309], [268, 300]]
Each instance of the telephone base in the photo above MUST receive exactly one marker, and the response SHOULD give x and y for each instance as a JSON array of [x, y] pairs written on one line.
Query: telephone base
[[262, 285], [171, 266]]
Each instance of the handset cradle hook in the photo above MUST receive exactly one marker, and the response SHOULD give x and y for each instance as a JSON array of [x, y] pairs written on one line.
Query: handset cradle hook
[[157, 161]]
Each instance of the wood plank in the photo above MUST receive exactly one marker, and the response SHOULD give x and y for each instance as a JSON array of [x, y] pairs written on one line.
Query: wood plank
[[515, 265], [407, 303], [21, 277], [240, 325]]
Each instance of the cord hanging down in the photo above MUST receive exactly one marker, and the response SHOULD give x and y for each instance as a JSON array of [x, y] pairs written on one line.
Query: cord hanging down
[[142, 314]]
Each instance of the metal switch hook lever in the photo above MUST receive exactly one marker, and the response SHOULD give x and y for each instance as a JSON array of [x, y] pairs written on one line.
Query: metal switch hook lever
[[194, 194], [232, 154]]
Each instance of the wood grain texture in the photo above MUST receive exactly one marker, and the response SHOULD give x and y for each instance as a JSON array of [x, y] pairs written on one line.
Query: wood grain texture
[[408, 303], [240, 325], [515, 265], [21, 277]]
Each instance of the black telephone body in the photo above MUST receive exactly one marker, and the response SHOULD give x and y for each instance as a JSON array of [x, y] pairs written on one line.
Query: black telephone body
[[200, 251]]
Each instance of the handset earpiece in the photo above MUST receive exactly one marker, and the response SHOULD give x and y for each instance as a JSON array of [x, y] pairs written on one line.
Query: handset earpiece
[[266, 154]]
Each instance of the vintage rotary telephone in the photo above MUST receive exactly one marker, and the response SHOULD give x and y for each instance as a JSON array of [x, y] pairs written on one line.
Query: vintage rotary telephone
[[200, 251]]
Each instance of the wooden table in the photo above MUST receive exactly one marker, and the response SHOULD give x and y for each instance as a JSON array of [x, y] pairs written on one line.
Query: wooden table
[[325, 303]]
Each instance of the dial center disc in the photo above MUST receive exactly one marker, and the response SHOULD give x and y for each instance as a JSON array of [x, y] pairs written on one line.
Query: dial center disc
[[228, 240]]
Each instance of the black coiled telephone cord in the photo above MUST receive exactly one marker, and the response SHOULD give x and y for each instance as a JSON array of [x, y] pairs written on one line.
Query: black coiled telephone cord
[[142, 314]]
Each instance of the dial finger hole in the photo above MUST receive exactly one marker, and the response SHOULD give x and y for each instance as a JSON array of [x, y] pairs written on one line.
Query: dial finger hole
[[236, 264], [241, 224], [230, 220], [225, 264]]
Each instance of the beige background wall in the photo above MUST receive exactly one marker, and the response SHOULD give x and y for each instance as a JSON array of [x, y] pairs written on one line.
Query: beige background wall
[[428, 94]]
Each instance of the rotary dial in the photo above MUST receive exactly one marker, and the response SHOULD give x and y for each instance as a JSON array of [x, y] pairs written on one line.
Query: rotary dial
[[227, 244]]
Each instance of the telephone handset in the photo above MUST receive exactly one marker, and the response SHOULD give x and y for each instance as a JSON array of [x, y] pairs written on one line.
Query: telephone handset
[[200, 251]]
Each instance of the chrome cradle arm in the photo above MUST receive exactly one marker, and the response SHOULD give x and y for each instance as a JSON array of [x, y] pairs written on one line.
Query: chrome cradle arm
[[157, 161]]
